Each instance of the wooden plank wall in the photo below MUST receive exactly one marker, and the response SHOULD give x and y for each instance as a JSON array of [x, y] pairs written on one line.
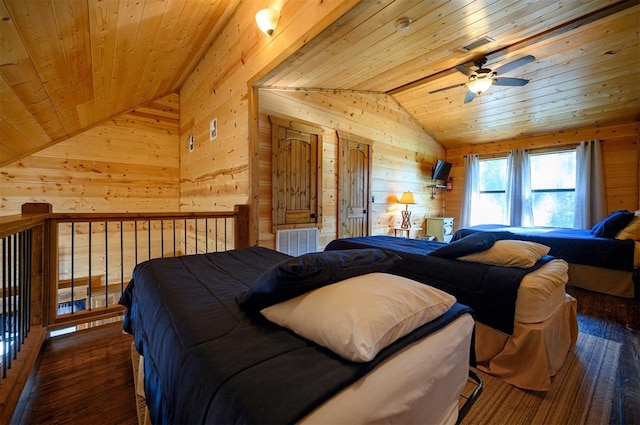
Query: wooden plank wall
[[216, 175], [620, 150], [129, 163], [403, 154]]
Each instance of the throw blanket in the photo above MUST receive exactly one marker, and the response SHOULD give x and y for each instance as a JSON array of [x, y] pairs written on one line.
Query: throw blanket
[[207, 361], [572, 245], [491, 291]]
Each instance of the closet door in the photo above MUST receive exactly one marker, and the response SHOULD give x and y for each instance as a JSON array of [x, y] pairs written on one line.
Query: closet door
[[296, 173], [354, 188]]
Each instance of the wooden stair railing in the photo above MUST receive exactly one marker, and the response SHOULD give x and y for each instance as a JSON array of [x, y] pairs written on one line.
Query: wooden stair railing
[[62, 270]]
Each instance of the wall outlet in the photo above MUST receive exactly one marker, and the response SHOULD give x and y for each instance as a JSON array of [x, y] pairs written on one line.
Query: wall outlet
[[192, 143], [213, 129]]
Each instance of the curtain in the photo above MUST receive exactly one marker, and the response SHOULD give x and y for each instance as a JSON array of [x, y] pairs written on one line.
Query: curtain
[[471, 192], [590, 205], [519, 209]]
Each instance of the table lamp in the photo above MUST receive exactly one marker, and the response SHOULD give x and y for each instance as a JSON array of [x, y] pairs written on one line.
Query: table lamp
[[406, 198]]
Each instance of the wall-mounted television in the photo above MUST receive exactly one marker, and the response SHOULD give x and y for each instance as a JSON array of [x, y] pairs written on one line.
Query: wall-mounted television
[[441, 170]]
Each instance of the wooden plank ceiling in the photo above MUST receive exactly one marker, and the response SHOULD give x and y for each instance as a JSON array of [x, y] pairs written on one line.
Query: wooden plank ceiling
[[66, 65], [586, 72]]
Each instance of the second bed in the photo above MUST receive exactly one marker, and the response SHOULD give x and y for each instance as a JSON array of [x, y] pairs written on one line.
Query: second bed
[[526, 322]]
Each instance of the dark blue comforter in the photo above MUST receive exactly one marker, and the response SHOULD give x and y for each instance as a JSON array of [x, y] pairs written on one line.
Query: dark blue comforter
[[207, 361], [491, 291], [572, 245]]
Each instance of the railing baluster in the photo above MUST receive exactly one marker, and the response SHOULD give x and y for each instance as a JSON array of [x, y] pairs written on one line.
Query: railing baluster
[[5, 279], [15, 310], [106, 263], [73, 250], [216, 231], [121, 256], [225, 234], [135, 232], [90, 254]]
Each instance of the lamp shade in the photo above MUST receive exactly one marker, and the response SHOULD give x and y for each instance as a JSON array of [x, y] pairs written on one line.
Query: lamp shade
[[480, 85], [407, 198], [267, 19]]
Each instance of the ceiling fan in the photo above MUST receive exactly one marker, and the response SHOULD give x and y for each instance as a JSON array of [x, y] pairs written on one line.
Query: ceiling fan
[[482, 78]]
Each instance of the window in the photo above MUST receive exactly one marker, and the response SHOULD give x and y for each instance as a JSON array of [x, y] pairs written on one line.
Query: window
[[552, 189], [493, 191]]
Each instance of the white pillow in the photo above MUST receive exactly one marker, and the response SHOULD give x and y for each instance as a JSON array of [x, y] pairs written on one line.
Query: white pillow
[[510, 253], [359, 316]]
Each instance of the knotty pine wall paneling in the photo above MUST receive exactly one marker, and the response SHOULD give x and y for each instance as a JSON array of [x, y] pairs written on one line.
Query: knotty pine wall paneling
[[129, 163], [403, 154], [620, 151], [217, 174]]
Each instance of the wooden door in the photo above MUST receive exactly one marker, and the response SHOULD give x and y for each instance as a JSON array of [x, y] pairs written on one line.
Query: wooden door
[[296, 174], [354, 189]]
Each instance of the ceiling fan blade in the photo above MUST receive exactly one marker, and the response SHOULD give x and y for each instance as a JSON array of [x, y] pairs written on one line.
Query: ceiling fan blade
[[447, 88], [514, 64], [469, 97], [506, 81], [466, 71]]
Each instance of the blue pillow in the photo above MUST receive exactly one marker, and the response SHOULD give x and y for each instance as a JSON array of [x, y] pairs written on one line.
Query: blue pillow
[[612, 224], [298, 275], [470, 244]]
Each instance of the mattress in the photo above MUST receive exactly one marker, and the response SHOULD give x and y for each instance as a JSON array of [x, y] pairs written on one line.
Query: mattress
[[491, 291], [415, 386], [181, 298], [412, 387], [542, 292]]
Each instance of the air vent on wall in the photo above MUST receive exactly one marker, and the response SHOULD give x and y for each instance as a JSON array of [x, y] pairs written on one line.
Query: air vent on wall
[[477, 43]]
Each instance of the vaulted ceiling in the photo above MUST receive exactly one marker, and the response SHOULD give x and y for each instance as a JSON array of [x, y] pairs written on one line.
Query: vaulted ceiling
[[586, 70], [68, 64]]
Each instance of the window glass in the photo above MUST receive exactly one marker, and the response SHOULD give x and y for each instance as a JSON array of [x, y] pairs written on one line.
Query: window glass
[[552, 186], [493, 174], [493, 198], [553, 183]]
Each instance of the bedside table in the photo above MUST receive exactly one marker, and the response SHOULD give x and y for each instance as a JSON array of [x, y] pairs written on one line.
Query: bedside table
[[405, 230]]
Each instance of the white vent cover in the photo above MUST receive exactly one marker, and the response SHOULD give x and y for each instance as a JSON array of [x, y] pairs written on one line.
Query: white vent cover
[[297, 241], [477, 43]]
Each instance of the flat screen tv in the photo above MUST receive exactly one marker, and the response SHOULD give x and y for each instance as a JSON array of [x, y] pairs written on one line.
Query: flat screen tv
[[441, 170]]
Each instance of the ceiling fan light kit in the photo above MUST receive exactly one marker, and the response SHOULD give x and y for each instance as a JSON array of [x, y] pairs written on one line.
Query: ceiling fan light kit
[[480, 83], [482, 79]]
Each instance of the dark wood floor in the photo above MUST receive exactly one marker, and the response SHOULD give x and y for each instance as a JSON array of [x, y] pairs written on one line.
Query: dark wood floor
[[86, 377]]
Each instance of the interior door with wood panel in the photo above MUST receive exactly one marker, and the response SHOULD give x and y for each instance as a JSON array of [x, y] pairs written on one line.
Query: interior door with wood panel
[[355, 185], [296, 170]]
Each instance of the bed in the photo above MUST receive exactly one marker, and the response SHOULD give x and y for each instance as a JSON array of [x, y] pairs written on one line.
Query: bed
[[220, 340], [605, 261], [525, 322]]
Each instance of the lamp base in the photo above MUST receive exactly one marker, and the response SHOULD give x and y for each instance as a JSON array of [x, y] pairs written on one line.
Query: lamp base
[[406, 219]]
